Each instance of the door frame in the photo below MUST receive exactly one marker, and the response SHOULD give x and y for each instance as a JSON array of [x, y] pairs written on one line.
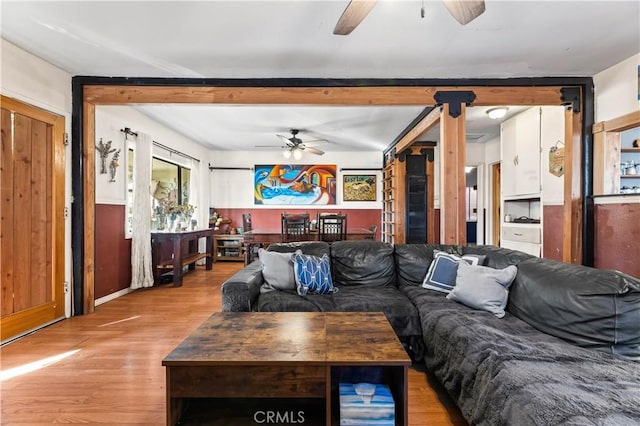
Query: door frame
[[38, 316], [87, 92]]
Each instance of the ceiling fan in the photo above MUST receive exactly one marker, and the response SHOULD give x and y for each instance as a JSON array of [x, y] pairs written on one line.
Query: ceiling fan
[[464, 11], [294, 145]]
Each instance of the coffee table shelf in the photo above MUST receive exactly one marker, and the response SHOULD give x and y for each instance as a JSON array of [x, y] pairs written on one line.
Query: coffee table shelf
[[238, 365]]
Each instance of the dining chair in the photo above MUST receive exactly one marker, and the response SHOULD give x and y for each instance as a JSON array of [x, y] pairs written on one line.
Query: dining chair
[[246, 222], [373, 229], [332, 227], [250, 246], [295, 227]]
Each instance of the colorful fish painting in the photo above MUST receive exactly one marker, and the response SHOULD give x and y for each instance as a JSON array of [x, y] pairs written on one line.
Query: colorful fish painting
[[286, 184]]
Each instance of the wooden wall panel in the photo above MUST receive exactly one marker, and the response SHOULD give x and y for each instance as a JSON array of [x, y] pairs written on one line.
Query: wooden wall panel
[[6, 218], [113, 251], [552, 235], [22, 209], [617, 237], [39, 216]]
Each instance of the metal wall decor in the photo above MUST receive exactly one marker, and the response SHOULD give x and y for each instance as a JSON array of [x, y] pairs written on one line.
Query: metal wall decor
[[104, 149], [114, 165]]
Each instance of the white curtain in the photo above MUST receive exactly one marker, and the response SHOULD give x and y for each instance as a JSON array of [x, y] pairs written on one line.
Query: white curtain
[[141, 268], [196, 199]]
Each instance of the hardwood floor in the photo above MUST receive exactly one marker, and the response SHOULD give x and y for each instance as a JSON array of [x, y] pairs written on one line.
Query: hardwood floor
[[105, 367]]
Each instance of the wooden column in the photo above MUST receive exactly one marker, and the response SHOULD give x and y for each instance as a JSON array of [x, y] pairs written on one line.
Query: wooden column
[[88, 154], [572, 217], [452, 183]]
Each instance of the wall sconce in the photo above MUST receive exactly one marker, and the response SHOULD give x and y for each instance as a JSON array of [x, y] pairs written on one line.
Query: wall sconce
[[496, 113]]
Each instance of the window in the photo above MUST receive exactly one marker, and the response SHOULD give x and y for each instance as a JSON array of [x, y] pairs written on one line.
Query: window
[[169, 183]]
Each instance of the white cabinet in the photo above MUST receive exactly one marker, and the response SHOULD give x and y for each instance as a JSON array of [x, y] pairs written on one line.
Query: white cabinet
[[520, 153]]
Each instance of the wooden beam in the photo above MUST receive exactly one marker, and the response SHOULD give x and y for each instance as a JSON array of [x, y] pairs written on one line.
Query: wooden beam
[[618, 124], [572, 213], [427, 123], [387, 95], [453, 228]]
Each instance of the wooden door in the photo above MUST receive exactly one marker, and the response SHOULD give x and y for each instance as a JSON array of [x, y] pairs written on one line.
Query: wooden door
[[31, 219]]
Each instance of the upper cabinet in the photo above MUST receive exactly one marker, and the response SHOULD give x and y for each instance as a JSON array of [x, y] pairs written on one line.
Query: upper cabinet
[[530, 143], [520, 145]]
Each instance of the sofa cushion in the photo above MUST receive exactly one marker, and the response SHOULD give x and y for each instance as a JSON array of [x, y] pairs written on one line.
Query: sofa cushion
[[314, 248], [290, 301], [312, 274], [363, 263], [413, 260], [441, 275], [277, 270], [588, 307], [498, 257], [483, 288], [401, 313]]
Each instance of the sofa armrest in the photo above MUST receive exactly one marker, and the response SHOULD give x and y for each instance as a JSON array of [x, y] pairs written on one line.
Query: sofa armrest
[[240, 292]]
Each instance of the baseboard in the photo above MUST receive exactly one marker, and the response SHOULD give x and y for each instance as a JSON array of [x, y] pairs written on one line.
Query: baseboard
[[112, 296]]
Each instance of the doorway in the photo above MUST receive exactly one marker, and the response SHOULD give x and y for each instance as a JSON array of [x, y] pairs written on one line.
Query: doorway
[[496, 217], [32, 225], [471, 195]]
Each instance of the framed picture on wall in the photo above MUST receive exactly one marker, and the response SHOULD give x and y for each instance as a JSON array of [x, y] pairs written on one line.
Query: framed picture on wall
[[359, 187], [283, 184]]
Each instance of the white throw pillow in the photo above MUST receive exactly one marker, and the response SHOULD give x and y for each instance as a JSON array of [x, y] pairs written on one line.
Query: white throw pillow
[[277, 271], [485, 288]]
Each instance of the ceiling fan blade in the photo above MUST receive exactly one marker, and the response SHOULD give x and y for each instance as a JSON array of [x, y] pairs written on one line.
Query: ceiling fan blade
[[355, 12], [315, 142], [284, 138], [269, 146], [465, 11], [313, 150]]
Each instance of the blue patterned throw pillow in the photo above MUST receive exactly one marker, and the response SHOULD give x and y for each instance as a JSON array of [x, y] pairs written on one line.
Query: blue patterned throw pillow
[[312, 274]]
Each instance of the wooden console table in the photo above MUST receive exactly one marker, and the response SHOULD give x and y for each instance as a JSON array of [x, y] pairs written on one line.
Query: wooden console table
[[174, 250]]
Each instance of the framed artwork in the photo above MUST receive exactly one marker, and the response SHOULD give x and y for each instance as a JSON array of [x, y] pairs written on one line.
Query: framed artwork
[[287, 184], [359, 187]]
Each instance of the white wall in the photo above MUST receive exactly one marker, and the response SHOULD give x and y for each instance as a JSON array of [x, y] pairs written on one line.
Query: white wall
[[616, 90], [234, 188], [29, 79], [111, 119]]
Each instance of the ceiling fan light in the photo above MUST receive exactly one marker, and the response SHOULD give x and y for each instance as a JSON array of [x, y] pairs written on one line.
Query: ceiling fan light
[[297, 154], [496, 113], [286, 153]]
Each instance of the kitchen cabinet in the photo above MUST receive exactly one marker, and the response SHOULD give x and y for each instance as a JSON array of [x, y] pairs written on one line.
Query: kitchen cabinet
[[520, 153]]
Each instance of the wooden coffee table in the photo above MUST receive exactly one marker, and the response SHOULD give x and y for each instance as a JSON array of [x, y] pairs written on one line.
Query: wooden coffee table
[[251, 367]]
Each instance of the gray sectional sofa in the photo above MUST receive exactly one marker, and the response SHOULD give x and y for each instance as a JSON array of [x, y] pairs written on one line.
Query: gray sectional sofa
[[567, 351]]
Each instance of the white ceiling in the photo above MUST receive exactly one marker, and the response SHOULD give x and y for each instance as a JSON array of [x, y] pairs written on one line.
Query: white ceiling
[[293, 39]]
